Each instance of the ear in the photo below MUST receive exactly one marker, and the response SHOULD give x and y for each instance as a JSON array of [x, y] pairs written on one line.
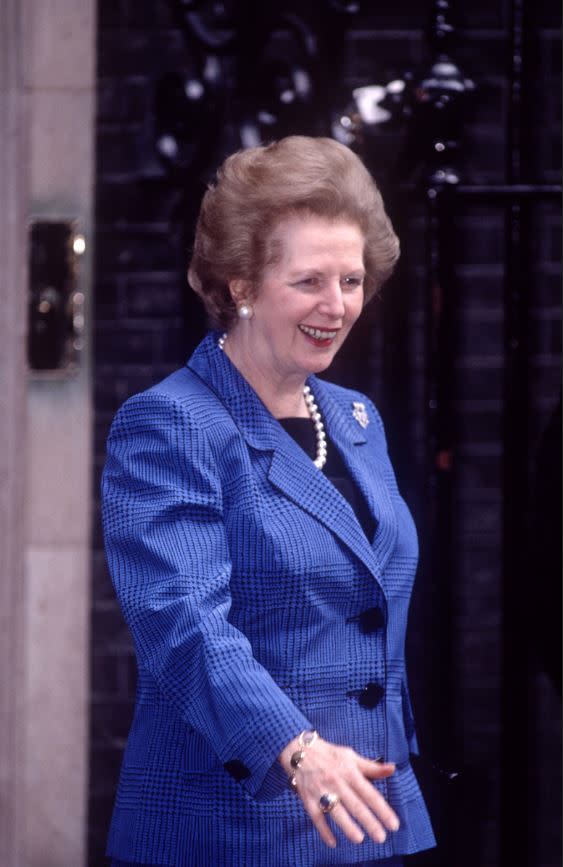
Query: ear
[[241, 290]]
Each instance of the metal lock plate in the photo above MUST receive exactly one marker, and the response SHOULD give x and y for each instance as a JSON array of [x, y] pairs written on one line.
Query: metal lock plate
[[56, 306]]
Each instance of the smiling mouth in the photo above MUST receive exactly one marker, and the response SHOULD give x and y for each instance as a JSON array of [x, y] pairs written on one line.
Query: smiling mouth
[[318, 333]]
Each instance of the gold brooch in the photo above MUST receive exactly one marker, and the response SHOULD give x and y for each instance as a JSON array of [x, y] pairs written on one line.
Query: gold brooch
[[360, 413]]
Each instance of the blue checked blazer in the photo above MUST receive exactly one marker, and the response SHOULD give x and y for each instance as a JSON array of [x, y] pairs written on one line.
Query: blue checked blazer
[[258, 608]]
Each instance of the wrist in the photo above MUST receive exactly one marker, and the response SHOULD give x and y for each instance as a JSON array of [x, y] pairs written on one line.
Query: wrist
[[294, 752], [284, 757]]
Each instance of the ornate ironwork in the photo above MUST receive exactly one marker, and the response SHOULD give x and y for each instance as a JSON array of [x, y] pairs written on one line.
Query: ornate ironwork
[[255, 73]]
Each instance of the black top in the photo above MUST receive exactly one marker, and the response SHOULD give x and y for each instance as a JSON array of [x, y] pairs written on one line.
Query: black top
[[303, 432]]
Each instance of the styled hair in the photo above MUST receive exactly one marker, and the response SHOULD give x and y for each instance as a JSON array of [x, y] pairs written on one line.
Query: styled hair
[[257, 188]]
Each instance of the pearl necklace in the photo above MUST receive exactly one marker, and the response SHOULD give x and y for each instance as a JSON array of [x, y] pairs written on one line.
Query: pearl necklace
[[313, 411], [314, 415]]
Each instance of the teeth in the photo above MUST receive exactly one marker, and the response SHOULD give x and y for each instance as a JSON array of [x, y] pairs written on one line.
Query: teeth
[[317, 333]]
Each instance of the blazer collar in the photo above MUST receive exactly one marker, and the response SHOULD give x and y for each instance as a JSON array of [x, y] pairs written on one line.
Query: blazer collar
[[292, 471], [257, 425]]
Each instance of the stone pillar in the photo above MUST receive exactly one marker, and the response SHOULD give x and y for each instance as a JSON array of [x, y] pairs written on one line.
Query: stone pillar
[[13, 196], [47, 61]]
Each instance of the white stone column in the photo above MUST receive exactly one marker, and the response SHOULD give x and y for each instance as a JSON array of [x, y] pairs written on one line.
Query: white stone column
[[47, 62], [13, 199]]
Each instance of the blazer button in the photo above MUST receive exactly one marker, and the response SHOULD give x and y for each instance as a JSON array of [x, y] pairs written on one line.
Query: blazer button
[[371, 619], [368, 697], [237, 769]]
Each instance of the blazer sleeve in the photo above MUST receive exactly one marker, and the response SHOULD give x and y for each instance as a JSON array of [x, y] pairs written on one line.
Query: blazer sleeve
[[169, 560]]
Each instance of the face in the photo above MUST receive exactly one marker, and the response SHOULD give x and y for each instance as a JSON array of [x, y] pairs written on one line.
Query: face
[[309, 300]]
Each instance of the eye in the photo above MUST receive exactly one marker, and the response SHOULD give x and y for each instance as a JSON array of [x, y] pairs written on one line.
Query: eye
[[352, 281], [307, 282]]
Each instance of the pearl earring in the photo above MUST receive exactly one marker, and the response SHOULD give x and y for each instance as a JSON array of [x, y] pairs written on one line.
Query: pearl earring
[[245, 311]]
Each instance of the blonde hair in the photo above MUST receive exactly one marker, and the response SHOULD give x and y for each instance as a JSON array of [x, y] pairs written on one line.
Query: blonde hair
[[257, 188]]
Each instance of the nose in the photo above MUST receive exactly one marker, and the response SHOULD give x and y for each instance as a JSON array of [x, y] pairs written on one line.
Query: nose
[[331, 303]]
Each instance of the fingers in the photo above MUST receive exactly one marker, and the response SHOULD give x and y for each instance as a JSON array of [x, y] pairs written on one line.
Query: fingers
[[352, 805], [339, 815], [366, 810], [353, 817], [362, 808], [319, 821], [342, 818], [374, 769], [376, 805]]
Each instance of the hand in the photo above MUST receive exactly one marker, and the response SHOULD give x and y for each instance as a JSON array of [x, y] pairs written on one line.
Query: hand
[[329, 768]]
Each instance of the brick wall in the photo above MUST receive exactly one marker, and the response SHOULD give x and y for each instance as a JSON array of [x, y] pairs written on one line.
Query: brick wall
[[146, 324]]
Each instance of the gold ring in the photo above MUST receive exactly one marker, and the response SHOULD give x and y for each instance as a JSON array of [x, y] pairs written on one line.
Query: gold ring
[[328, 802]]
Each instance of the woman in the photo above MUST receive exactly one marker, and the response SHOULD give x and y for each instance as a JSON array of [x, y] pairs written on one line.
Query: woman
[[260, 550]]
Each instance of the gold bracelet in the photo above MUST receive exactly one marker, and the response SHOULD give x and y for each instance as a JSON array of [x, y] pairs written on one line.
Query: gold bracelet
[[306, 739]]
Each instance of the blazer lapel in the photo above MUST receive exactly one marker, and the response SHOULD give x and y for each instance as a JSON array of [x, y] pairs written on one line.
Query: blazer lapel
[[291, 470], [294, 474], [367, 470]]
